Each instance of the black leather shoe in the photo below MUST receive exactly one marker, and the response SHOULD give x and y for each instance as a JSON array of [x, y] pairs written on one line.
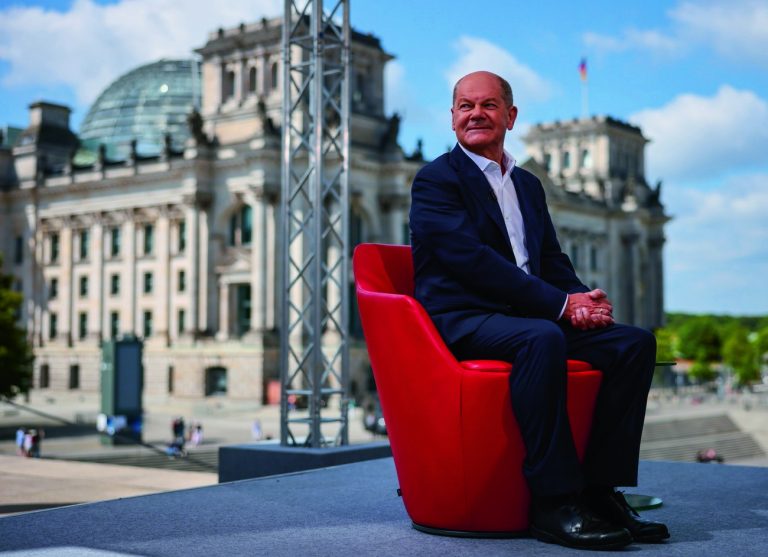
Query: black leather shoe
[[611, 505], [568, 521]]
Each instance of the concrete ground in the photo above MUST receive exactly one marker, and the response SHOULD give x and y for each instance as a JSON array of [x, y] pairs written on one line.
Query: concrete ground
[[32, 484]]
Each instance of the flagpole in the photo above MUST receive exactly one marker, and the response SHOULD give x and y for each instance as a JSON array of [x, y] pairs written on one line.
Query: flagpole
[[584, 88]]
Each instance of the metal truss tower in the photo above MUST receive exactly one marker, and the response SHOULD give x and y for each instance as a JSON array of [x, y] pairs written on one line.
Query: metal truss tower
[[314, 265]]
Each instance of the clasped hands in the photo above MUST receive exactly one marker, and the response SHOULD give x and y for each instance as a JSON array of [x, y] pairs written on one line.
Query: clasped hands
[[589, 310]]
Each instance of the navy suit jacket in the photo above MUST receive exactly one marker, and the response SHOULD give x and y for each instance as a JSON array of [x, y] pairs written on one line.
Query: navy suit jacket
[[464, 265]]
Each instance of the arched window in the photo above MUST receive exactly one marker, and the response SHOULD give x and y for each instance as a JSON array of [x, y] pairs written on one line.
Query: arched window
[[252, 80], [567, 159], [586, 158], [216, 381]]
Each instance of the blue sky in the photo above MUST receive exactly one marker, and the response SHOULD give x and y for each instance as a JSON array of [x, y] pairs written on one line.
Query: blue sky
[[692, 74]]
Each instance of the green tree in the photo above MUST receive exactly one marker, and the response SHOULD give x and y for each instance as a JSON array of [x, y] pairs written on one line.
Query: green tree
[[15, 351], [741, 356], [761, 345], [665, 345], [701, 370], [700, 338]]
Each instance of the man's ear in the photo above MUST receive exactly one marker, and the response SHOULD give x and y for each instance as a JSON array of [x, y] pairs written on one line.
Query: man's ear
[[453, 125], [512, 115]]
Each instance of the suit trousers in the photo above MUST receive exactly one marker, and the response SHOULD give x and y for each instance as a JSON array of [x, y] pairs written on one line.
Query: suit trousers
[[538, 350]]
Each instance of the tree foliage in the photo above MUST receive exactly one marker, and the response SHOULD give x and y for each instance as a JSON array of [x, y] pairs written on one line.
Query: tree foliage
[[741, 356], [699, 338], [702, 370], [15, 351]]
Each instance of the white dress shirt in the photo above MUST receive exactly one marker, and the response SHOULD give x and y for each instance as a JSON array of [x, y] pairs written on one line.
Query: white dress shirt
[[504, 191]]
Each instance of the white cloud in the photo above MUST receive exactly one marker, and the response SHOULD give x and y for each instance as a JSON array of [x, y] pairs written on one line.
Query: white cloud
[[695, 137], [89, 45], [735, 29], [652, 40], [478, 54], [717, 250]]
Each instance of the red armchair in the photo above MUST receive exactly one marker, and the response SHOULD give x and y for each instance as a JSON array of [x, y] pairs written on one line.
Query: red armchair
[[455, 442]]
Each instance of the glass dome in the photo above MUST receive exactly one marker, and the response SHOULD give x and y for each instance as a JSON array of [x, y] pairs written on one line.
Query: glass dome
[[144, 104]]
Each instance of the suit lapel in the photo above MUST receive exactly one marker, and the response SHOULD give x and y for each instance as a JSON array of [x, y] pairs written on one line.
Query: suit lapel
[[477, 184]]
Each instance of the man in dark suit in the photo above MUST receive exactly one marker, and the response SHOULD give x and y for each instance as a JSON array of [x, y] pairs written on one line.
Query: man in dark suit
[[490, 272]]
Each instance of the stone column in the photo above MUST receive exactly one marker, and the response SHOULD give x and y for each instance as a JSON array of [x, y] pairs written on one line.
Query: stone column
[[163, 273], [192, 259], [96, 326], [224, 317], [271, 278], [128, 255], [256, 200], [66, 286]]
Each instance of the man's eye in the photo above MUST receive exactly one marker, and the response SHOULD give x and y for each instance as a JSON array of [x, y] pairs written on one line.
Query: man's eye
[[490, 105], [464, 106]]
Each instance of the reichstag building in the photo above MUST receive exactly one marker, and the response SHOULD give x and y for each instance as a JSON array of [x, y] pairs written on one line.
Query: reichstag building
[[160, 218]]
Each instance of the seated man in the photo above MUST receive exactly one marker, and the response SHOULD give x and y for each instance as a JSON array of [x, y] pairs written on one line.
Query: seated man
[[490, 272]]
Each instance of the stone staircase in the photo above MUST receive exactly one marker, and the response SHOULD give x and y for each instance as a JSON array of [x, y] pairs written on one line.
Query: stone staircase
[[680, 439]]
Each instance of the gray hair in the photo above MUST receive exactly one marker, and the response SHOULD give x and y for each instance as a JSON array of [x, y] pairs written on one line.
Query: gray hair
[[506, 89]]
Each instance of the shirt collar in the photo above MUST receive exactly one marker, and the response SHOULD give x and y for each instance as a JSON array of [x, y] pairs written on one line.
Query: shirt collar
[[483, 163]]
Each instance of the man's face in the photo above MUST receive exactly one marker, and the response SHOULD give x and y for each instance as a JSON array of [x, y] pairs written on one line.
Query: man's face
[[480, 116]]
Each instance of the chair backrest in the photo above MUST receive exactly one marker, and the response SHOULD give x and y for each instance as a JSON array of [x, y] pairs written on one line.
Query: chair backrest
[[384, 268]]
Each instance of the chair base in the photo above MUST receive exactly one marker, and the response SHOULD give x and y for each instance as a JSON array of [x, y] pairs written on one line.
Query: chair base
[[468, 533]]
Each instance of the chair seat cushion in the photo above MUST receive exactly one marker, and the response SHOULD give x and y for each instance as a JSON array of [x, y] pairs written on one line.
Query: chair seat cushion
[[501, 366]]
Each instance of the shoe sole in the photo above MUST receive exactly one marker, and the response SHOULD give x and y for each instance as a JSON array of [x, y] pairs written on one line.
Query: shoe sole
[[549, 538]]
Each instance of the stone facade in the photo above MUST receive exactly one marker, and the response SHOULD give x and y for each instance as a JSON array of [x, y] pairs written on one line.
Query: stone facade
[[608, 219], [180, 249]]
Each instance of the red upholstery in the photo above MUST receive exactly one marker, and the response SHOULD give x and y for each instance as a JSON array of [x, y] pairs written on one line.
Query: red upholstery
[[455, 441]]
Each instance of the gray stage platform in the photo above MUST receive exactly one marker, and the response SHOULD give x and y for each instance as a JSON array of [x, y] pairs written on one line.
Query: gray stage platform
[[353, 510]]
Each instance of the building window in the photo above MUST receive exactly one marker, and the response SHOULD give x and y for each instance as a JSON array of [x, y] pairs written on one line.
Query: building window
[[149, 239], [114, 246], [273, 81], [45, 376], [170, 379], [182, 236], [229, 85], [567, 159], [241, 227], [548, 162], [82, 325], [182, 281], [83, 286], [180, 322], [586, 158], [216, 381], [114, 284], [147, 283], [84, 241], [53, 289], [53, 322], [575, 255], [18, 254], [114, 324], [252, 80], [74, 376], [54, 247], [593, 262], [147, 324]]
